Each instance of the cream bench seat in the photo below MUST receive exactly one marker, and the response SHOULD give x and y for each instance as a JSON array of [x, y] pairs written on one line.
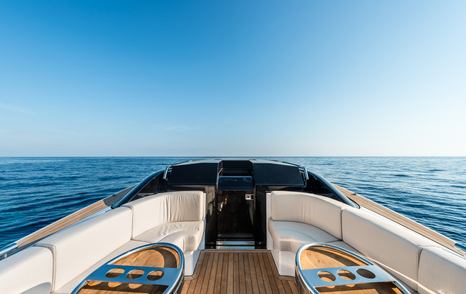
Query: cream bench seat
[[29, 271], [289, 236], [441, 271], [68, 287], [420, 263], [174, 217], [296, 218], [80, 249], [186, 235], [416, 260], [58, 263], [393, 246]]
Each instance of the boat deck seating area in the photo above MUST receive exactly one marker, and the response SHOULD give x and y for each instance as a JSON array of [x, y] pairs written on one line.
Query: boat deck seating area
[[59, 262], [296, 218]]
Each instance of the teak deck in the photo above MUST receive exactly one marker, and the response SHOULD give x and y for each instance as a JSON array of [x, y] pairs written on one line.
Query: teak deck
[[237, 272]]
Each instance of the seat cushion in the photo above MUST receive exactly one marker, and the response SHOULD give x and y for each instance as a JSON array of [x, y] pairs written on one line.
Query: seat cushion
[[28, 271], [68, 287], [186, 235], [326, 214], [77, 248], [390, 244], [177, 238], [158, 209], [289, 236], [441, 271]]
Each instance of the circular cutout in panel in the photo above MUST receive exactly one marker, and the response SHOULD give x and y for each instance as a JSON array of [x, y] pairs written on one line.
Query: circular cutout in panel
[[326, 276], [366, 273], [113, 284], [94, 283], [134, 274], [346, 275], [114, 272], [155, 275], [134, 286]]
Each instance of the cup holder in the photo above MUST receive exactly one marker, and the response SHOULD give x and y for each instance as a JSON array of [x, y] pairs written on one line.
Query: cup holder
[[134, 274], [326, 276], [114, 272], [365, 273], [346, 275]]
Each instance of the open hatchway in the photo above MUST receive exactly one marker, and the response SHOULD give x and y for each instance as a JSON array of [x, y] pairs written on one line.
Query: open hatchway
[[235, 204]]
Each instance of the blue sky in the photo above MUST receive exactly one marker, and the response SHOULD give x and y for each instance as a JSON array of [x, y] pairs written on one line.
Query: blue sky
[[232, 78]]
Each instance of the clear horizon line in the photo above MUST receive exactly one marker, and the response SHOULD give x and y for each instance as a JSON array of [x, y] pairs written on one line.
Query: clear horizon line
[[221, 156]]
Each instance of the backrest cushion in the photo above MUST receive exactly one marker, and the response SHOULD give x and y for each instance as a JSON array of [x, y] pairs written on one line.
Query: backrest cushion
[[161, 208], [148, 212], [77, 248], [385, 241], [185, 206], [28, 271], [289, 206], [326, 214], [441, 271], [319, 211]]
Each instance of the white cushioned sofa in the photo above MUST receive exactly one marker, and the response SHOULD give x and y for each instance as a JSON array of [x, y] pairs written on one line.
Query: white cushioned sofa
[[296, 218], [180, 220], [29, 271], [59, 262]]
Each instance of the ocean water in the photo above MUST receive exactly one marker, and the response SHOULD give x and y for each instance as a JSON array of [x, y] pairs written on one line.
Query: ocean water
[[37, 191]]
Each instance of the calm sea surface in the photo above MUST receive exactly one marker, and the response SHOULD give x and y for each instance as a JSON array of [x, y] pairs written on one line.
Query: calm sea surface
[[37, 191]]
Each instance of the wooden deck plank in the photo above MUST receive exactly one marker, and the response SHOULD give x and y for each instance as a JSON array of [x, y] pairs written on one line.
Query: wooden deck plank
[[203, 267], [235, 274], [294, 288], [205, 282], [218, 274], [286, 286], [247, 274], [241, 269], [230, 281], [71, 219], [255, 288], [281, 288], [269, 272], [213, 273], [224, 276], [267, 283], [185, 287], [260, 280], [192, 284], [241, 272]]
